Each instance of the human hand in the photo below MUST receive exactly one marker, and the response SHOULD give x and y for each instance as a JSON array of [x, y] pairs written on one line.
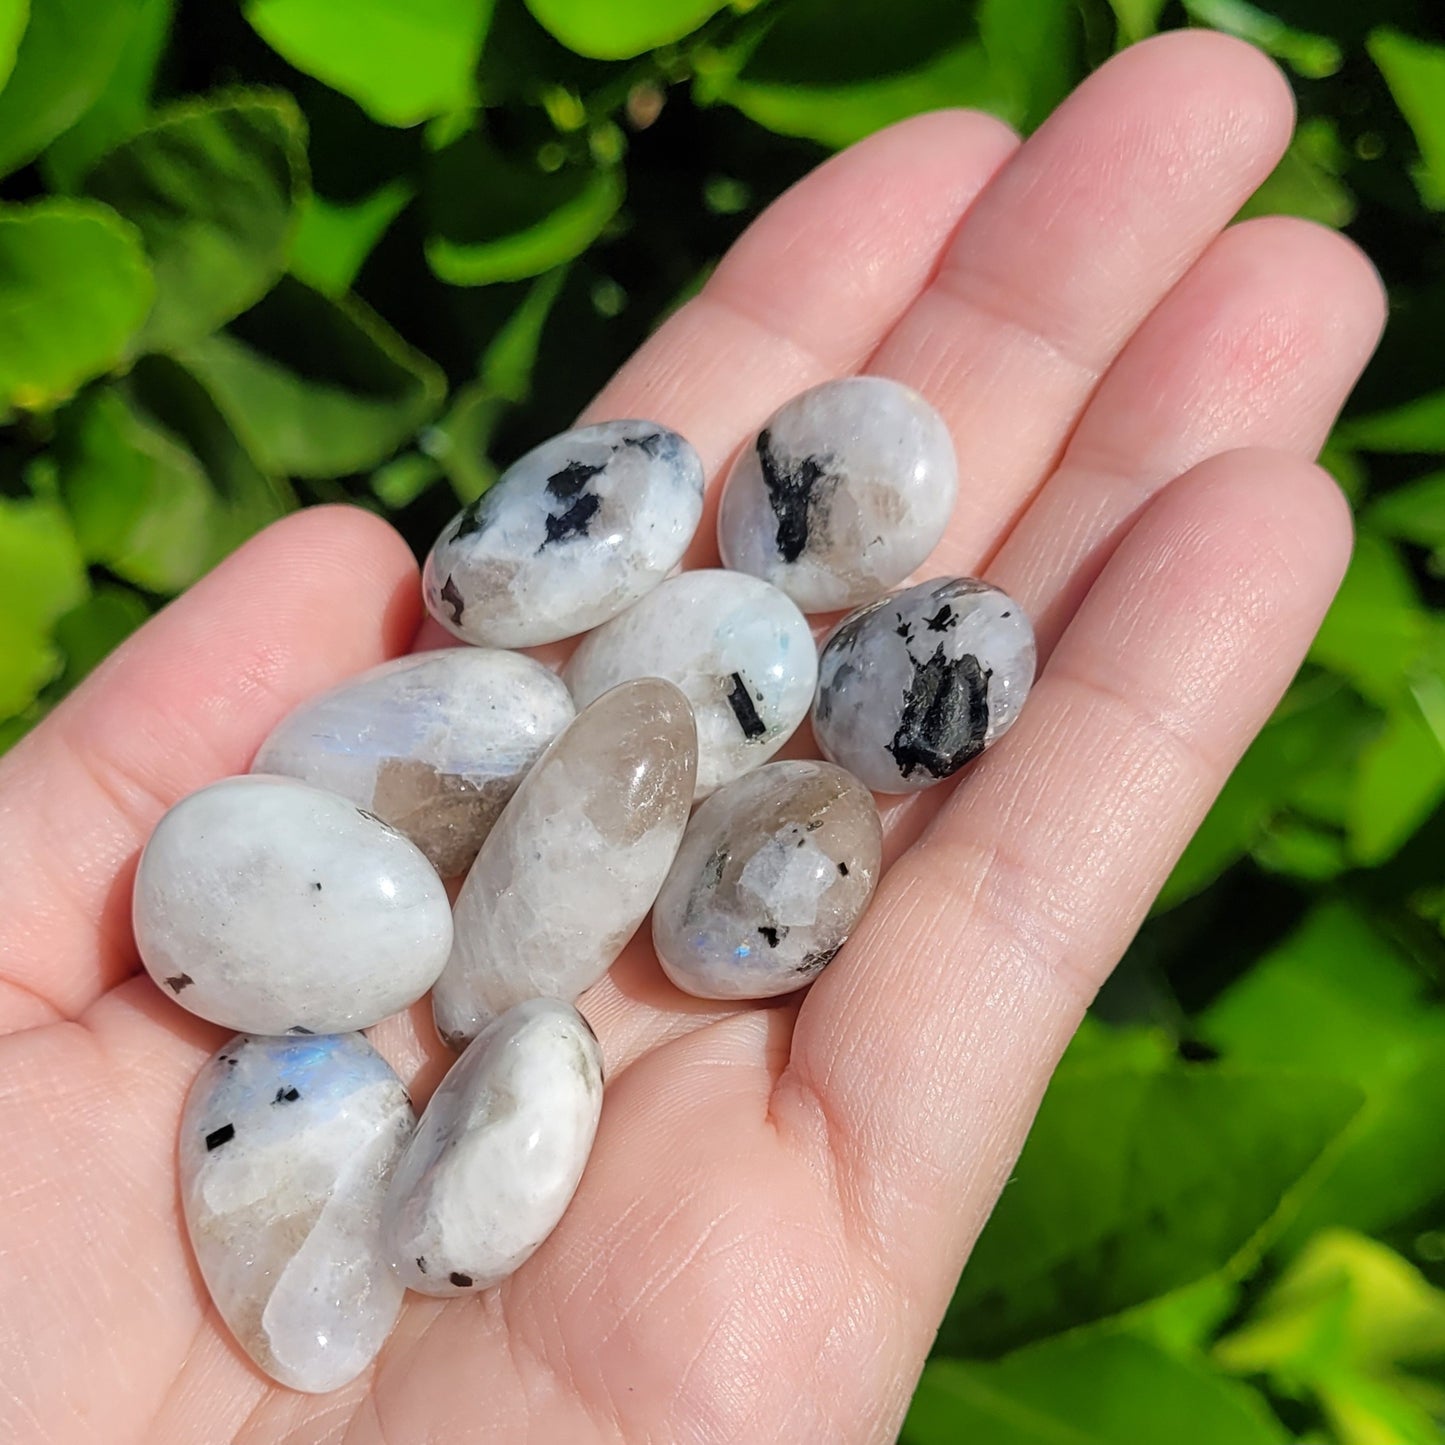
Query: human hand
[[780, 1197]]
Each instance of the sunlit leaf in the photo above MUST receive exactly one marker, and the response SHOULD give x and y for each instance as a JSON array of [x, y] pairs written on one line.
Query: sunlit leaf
[[1310, 55], [1415, 73], [334, 239], [13, 16], [1306, 181], [621, 28], [74, 291]]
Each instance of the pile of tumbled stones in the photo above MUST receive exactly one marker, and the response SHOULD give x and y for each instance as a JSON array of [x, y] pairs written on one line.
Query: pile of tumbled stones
[[305, 901]]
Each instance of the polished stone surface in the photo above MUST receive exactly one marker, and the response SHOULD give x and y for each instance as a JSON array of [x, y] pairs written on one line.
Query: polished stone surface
[[574, 862], [433, 744], [914, 687], [774, 871], [843, 493], [498, 1154], [578, 529], [286, 1149], [739, 649], [272, 907]]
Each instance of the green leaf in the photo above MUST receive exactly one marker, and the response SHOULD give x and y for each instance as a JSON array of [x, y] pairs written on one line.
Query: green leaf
[[1095, 1390], [140, 502], [66, 55], [1416, 511], [402, 61], [74, 291], [621, 28], [1136, 1181], [1306, 180], [41, 578], [1415, 72], [1357, 1008], [334, 239], [1312, 56], [494, 218], [89, 633], [13, 17], [316, 386], [1033, 45], [1400, 781], [1137, 19], [1417, 425], [213, 186], [122, 106]]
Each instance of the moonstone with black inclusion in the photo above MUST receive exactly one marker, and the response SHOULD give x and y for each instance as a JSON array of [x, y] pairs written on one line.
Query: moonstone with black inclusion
[[571, 534], [842, 494], [915, 686], [286, 1150]]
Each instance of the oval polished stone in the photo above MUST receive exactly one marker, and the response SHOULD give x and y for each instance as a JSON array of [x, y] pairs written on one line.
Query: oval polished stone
[[578, 529], [286, 1148], [575, 860], [499, 1152], [272, 907], [844, 492], [433, 744], [774, 872], [915, 686], [738, 648]]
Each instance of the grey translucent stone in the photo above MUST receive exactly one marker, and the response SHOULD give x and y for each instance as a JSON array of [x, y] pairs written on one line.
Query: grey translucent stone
[[915, 686], [570, 870], [272, 907], [568, 536], [739, 649], [286, 1149], [433, 744], [843, 493], [774, 871], [499, 1152]]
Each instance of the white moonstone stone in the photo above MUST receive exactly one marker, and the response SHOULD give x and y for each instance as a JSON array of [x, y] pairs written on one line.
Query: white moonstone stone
[[433, 744], [773, 873], [568, 536], [272, 907], [844, 492], [570, 870], [498, 1154], [738, 648], [285, 1152], [915, 686]]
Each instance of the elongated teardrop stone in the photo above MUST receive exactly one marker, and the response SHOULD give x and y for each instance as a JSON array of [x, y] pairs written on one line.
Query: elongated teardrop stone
[[568, 536], [845, 490], [433, 744], [738, 648], [272, 907], [499, 1152], [773, 873], [286, 1149], [575, 860], [915, 686]]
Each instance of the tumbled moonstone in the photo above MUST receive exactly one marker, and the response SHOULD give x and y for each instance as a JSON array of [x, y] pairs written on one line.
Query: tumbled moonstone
[[575, 860], [433, 744], [738, 648], [272, 907], [568, 536], [774, 871], [915, 686], [499, 1152], [285, 1152], [844, 491]]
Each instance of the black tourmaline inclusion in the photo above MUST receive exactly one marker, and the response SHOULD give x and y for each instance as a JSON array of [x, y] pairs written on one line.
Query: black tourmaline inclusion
[[791, 493], [744, 709], [945, 716]]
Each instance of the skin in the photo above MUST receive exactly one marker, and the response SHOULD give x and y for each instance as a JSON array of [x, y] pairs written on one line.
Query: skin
[[781, 1197]]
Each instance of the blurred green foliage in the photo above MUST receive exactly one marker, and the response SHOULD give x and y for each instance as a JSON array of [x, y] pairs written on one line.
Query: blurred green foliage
[[253, 257]]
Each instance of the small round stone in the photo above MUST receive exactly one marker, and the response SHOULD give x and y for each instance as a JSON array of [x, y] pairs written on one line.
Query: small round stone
[[498, 1153], [272, 907], [570, 535], [286, 1148], [915, 686], [774, 871], [843, 493], [736, 646], [433, 744]]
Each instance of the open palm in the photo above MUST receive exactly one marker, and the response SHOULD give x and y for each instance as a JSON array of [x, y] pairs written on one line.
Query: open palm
[[780, 1198]]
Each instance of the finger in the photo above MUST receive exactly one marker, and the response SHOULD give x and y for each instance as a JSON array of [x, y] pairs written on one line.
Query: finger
[[1258, 346], [187, 700], [1068, 250], [920, 1055]]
